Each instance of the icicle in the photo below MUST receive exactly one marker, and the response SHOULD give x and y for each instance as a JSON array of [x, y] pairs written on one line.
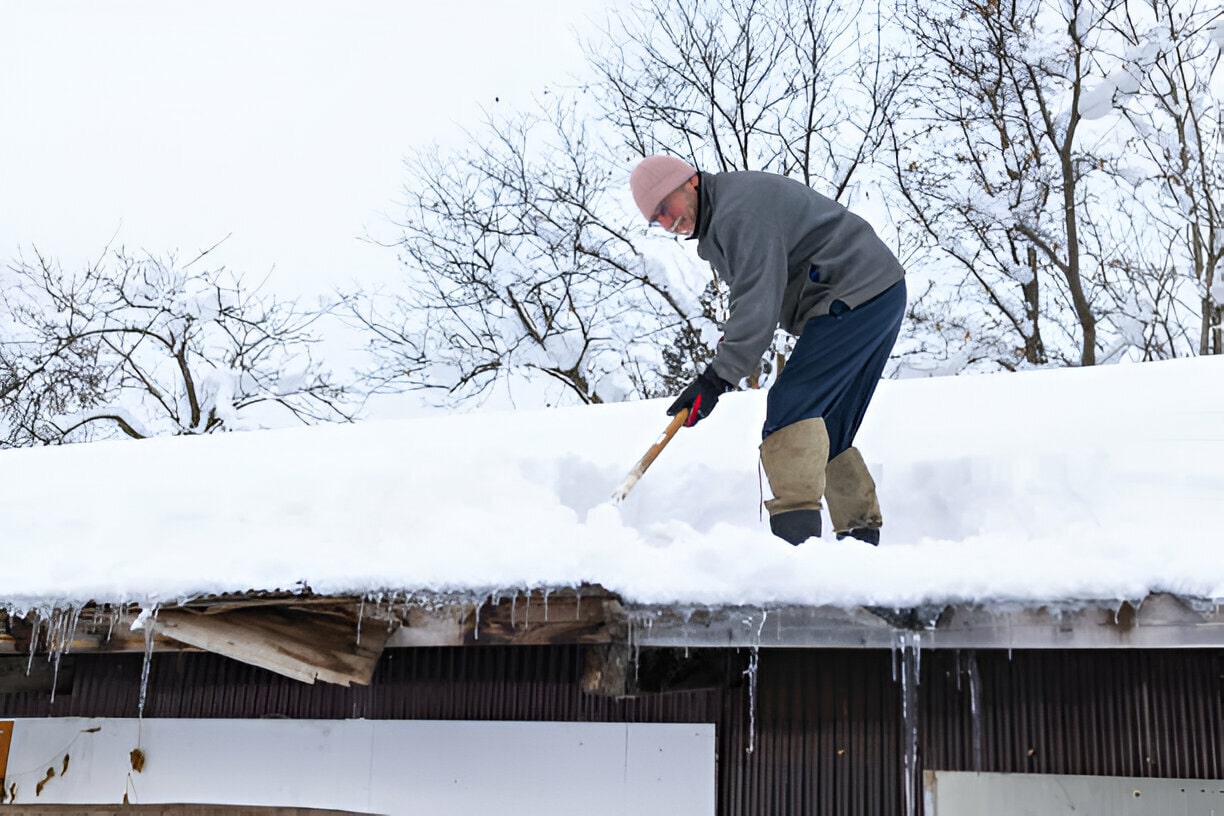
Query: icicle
[[72, 629], [545, 592], [754, 658], [895, 678], [761, 626], [360, 615], [513, 607], [33, 641], [577, 604], [59, 643], [688, 617], [911, 650], [53, 627], [635, 623], [975, 709], [633, 646], [55, 664], [148, 660], [527, 611]]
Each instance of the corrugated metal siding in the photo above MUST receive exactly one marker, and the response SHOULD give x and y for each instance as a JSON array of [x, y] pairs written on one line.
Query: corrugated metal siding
[[828, 731], [473, 683], [1151, 713]]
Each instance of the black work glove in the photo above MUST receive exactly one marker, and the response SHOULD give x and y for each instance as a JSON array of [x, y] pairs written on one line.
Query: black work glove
[[700, 397]]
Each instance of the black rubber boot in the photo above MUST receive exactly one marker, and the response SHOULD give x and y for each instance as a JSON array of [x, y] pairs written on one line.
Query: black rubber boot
[[796, 526], [869, 534]]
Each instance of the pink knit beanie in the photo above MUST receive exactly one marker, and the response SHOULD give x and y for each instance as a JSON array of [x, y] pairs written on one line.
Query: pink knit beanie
[[654, 178]]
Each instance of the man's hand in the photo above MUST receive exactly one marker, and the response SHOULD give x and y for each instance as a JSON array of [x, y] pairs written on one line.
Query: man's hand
[[700, 397]]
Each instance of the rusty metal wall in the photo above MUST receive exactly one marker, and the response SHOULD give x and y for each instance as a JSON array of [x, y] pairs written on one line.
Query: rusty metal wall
[[826, 731]]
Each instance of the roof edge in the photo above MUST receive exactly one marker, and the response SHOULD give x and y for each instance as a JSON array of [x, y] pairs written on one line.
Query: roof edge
[[1159, 621]]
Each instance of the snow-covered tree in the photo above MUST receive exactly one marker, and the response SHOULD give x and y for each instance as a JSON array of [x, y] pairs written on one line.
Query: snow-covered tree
[[525, 259], [522, 268], [138, 346], [992, 164], [1167, 83], [1016, 190], [1078, 239], [789, 86]]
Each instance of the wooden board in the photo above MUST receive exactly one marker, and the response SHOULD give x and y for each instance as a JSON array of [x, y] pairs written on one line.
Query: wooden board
[[293, 634], [297, 643]]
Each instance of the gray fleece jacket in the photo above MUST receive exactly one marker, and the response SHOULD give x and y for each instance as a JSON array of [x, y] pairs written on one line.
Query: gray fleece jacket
[[787, 253]]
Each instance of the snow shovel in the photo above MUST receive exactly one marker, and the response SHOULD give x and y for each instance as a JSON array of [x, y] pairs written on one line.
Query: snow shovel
[[654, 451]]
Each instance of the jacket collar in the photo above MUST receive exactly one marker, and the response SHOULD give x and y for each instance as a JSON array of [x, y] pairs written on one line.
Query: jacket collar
[[703, 206]]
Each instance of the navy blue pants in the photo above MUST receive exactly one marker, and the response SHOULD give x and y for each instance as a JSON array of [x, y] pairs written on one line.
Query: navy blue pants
[[835, 366]]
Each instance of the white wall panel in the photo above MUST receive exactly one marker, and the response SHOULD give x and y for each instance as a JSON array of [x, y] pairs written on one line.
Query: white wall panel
[[962, 793], [375, 766]]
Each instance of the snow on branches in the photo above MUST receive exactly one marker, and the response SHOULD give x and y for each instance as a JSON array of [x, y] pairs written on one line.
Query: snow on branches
[[141, 346]]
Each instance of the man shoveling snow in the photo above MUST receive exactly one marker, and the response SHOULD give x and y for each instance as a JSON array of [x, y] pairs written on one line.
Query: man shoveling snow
[[796, 259]]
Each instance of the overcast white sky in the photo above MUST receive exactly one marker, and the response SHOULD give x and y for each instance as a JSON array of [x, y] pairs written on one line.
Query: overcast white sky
[[169, 125]]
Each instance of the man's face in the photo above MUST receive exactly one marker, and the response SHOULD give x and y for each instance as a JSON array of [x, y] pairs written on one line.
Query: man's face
[[677, 213]]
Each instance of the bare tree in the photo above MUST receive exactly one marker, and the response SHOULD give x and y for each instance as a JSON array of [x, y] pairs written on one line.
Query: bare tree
[[791, 86], [149, 347], [521, 269]]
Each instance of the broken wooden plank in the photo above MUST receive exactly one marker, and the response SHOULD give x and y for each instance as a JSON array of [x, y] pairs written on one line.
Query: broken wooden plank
[[293, 643], [569, 615]]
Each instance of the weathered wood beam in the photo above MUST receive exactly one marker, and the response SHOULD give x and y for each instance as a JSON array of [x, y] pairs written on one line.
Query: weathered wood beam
[[587, 616], [540, 619], [608, 670], [579, 616], [89, 629]]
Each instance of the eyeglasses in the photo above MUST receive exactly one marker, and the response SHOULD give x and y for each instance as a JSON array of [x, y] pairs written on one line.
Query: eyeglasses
[[659, 212]]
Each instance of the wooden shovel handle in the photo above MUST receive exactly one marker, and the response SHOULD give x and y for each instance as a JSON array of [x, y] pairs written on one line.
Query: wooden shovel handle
[[677, 421]]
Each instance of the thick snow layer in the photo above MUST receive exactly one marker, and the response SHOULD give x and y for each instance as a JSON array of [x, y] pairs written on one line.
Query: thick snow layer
[[1100, 483]]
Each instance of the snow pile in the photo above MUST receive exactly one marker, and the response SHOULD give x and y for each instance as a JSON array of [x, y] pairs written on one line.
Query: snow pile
[[1100, 483]]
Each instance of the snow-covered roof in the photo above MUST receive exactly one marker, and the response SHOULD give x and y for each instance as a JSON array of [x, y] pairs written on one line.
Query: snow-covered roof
[[1053, 485]]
